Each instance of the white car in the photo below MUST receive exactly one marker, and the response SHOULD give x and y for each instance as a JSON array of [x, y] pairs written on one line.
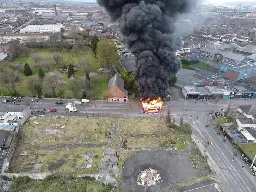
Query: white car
[[69, 105], [85, 101], [72, 109]]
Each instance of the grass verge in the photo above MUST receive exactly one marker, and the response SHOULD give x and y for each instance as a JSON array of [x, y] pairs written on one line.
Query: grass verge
[[185, 66], [204, 67], [59, 184]]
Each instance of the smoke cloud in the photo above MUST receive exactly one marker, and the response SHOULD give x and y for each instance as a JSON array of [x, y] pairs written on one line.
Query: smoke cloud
[[148, 28]]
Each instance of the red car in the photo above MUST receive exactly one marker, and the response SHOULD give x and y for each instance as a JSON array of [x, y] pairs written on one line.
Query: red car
[[53, 110]]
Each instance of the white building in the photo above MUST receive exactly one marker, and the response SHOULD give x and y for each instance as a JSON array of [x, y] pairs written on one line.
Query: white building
[[44, 12], [24, 38], [56, 28]]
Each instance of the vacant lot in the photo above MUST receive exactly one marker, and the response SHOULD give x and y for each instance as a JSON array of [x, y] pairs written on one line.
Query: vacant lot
[[59, 184], [64, 144], [75, 145]]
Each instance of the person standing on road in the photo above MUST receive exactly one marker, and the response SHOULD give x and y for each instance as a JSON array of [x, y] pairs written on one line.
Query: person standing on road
[[242, 166]]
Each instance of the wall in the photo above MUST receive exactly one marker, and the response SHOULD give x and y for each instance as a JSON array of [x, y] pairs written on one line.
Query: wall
[[232, 75], [115, 92]]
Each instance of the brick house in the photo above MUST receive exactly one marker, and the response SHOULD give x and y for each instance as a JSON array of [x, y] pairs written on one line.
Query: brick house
[[116, 91]]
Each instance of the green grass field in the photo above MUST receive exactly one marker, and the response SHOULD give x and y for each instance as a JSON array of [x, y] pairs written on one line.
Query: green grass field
[[188, 67], [249, 149], [59, 184], [60, 144], [204, 67]]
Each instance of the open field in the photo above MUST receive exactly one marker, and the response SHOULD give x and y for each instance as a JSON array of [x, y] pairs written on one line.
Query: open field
[[75, 145], [59, 184], [61, 144]]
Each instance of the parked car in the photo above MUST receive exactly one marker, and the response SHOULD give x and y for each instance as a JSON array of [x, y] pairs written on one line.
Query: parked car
[[59, 103], [85, 101], [72, 109], [53, 110]]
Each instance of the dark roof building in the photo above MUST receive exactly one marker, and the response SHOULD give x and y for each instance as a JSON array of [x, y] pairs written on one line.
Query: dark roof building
[[116, 90], [248, 109]]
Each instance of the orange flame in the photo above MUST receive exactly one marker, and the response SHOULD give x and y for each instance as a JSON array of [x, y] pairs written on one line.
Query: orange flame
[[152, 105]]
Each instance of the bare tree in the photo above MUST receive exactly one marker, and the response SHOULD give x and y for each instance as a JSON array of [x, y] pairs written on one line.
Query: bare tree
[[50, 84], [76, 85], [45, 64], [35, 58], [86, 67], [57, 57], [15, 49], [35, 86], [9, 78]]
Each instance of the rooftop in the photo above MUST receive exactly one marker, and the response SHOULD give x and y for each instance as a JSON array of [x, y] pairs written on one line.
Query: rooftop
[[248, 109], [117, 81], [245, 120], [12, 108], [191, 89], [251, 131], [203, 91], [4, 127]]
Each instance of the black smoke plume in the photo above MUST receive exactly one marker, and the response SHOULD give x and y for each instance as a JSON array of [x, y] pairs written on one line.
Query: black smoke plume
[[148, 30]]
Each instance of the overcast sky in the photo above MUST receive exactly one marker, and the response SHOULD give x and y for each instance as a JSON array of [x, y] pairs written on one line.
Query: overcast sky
[[211, 1], [226, 1]]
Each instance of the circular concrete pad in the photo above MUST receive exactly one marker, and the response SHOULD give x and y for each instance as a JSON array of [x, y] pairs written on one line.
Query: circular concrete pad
[[172, 167]]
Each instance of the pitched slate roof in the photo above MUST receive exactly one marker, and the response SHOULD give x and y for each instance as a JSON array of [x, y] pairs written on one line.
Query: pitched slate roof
[[117, 81]]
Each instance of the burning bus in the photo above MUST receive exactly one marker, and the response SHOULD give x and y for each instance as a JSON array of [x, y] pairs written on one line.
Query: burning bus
[[152, 105]]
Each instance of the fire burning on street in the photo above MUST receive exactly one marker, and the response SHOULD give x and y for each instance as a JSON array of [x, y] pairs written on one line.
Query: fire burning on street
[[152, 105]]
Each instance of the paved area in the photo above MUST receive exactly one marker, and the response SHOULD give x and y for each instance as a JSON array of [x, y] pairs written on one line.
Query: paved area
[[129, 63], [174, 168], [204, 186]]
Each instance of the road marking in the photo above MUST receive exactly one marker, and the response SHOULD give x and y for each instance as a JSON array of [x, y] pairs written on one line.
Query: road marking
[[213, 150], [226, 158], [199, 187]]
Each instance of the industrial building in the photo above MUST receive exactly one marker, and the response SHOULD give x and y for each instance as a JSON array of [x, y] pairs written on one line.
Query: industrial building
[[23, 38], [206, 92], [54, 28], [237, 63]]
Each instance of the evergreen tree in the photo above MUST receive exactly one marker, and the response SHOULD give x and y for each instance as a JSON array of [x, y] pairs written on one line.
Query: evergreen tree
[[84, 96], [40, 73], [94, 44], [27, 70], [71, 71]]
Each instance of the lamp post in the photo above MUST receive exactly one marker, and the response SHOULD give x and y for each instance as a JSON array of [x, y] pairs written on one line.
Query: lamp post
[[253, 161]]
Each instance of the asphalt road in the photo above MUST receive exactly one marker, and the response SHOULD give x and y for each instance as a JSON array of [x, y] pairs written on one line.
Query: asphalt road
[[237, 178]]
